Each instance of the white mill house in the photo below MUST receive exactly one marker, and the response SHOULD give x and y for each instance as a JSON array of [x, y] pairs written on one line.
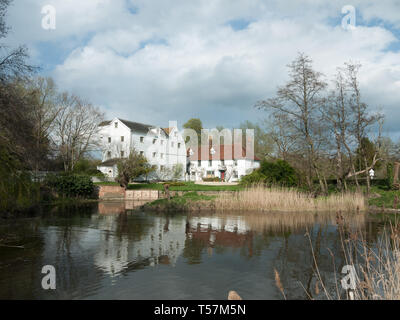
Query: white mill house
[[165, 148]]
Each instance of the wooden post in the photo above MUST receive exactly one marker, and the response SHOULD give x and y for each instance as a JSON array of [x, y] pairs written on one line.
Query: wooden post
[[166, 189]]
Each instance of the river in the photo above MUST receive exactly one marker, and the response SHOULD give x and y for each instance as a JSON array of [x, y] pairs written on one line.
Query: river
[[108, 251]]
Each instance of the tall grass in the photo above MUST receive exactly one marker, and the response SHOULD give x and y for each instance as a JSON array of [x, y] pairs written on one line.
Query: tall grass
[[259, 198]]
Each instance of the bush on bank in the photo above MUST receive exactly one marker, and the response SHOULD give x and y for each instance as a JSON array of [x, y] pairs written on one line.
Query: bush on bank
[[277, 172], [71, 185]]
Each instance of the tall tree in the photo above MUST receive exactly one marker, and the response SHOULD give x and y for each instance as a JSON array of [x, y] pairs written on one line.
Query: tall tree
[[299, 100], [263, 142], [196, 125]]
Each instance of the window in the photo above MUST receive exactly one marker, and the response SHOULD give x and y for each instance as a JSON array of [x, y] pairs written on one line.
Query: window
[[179, 145], [162, 142], [210, 163], [210, 173], [235, 174], [122, 138], [172, 144], [235, 162], [141, 139], [222, 162], [142, 153], [108, 154], [116, 124], [122, 154], [154, 154], [199, 163], [161, 168], [162, 155], [109, 139], [176, 134], [154, 141]]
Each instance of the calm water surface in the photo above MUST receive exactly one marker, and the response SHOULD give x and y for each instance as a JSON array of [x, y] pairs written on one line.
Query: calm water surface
[[106, 251]]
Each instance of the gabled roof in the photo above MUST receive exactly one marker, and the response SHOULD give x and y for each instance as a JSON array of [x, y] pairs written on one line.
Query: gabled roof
[[167, 130], [220, 154], [134, 126]]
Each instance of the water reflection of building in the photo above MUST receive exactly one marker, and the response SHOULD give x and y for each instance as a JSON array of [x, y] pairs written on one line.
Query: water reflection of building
[[117, 207], [228, 232], [159, 240]]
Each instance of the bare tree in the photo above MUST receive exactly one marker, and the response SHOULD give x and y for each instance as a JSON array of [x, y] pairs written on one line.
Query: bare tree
[[363, 120], [299, 100], [75, 129]]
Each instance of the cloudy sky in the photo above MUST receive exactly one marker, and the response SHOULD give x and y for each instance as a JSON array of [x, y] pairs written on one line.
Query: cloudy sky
[[153, 60]]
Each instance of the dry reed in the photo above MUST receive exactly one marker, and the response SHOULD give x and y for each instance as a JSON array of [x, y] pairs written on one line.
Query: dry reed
[[259, 198], [377, 267]]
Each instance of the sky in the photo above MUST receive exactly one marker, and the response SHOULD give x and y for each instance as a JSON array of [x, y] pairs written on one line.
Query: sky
[[152, 61]]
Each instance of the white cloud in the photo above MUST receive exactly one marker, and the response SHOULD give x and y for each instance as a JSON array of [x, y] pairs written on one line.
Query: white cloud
[[183, 59]]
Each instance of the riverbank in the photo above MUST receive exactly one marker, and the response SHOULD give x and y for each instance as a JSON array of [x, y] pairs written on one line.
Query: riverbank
[[262, 200]]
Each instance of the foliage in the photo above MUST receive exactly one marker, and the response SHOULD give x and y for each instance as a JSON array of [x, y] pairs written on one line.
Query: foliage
[[278, 172], [263, 142], [212, 179], [71, 185], [133, 167], [88, 167]]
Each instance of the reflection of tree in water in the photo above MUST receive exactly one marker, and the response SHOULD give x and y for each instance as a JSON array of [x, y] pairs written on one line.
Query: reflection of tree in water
[[20, 268]]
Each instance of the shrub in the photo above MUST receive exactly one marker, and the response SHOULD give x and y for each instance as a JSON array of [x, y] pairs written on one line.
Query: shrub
[[278, 172], [212, 179], [71, 185]]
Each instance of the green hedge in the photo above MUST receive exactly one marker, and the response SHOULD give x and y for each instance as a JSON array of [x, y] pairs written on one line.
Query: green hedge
[[71, 185]]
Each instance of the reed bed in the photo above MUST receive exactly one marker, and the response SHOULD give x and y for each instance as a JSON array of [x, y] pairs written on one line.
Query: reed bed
[[259, 198]]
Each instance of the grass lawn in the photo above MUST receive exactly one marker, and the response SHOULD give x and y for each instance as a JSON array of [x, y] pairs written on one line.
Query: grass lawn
[[384, 198], [187, 186], [183, 200]]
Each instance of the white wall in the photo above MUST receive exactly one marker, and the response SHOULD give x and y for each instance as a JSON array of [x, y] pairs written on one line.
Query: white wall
[[166, 152], [241, 167]]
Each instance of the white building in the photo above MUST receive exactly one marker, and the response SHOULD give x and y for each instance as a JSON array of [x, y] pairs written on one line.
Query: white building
[[228, 166], [163, 147]]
